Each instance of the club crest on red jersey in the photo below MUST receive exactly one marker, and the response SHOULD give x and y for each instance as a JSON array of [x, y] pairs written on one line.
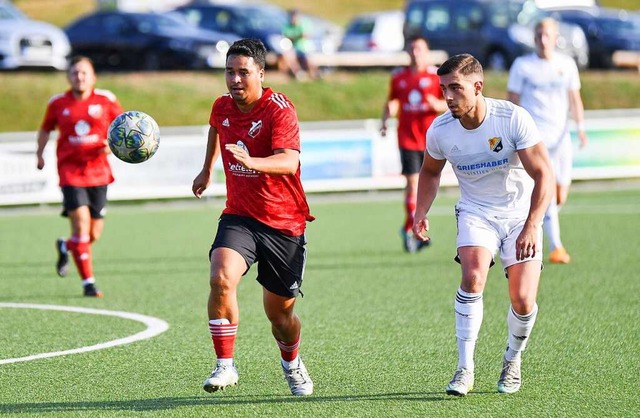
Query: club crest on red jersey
[[495, 144], [95, 110], [255, 128]]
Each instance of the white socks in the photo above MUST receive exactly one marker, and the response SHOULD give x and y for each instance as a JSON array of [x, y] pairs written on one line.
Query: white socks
[[552, 225], [468, 310], [519, 327]]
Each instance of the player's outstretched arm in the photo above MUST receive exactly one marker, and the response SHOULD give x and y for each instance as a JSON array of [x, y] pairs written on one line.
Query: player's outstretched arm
[[535, 161], [282, 162], [203, 179], [428, 183]]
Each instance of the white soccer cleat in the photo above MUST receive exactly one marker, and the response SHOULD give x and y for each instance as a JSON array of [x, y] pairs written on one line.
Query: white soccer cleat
[[221, 377], [461, 384], [298, 379], [510, 378]]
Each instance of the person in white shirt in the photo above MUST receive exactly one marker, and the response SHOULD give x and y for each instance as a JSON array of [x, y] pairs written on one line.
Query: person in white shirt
[[506, 182], [547, 84]]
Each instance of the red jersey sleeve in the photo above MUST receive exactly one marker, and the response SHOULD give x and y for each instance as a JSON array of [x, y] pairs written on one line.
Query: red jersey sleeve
[[286, 130]]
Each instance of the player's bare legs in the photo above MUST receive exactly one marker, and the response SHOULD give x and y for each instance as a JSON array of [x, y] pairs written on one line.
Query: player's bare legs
[[411, 244], [475, 262], [82, 235], [523, 289], [285, 324], [227, 268], [285, 327]]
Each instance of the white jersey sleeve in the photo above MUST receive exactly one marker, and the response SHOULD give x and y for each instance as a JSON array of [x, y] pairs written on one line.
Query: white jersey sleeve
[[433, 146]]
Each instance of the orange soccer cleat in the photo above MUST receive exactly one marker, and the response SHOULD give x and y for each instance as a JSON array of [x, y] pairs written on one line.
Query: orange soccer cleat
[[559, 256]]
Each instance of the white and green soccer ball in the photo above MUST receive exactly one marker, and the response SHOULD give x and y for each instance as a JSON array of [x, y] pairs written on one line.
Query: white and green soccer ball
[[134, 137]]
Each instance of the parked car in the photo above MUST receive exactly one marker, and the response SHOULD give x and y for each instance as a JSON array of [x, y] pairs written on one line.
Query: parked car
[[494, 31], [608, 30], [261, 21], [375, 32], [146, 41], [30, 43]]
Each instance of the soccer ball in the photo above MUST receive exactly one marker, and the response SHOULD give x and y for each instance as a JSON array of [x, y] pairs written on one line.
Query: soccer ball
[[134, 137]]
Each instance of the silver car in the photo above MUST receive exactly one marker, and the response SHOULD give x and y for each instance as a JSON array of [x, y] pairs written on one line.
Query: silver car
[[30, 43]]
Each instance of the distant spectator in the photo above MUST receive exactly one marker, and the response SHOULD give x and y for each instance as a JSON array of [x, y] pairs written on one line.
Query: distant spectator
[[295, 60]]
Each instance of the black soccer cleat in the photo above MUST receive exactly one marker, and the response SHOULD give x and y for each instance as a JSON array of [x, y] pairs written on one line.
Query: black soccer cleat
[[63, 257], [91, 291]]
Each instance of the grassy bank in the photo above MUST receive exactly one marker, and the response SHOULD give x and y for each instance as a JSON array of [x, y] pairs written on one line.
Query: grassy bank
[[185, 98]]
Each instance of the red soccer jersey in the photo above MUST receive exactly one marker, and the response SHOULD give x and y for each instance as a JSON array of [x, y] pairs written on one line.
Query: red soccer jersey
[[83, 126], [275, 200], [415, 114]]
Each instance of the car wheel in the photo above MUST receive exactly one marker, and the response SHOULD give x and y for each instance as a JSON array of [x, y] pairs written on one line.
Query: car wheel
[[151, 61], [497, 60]]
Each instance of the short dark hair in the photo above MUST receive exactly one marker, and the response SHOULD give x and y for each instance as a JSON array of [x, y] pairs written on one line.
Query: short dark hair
[[465, 64], [417, 38], [78, 58], [250, 48]]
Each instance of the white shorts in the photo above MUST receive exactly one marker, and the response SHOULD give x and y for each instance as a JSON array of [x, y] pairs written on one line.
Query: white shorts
[[476, 229], [562, 160]]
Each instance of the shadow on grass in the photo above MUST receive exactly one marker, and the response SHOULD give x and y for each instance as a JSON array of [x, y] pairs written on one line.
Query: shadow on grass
[[157, 404]]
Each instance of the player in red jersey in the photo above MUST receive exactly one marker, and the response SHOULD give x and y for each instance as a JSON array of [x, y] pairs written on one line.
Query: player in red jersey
[[415, 97], [257, 133], [82, 115]]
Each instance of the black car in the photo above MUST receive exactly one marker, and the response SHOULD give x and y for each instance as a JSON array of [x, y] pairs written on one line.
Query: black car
[[260, 21], [494, 31], [146, 41], [608, 30]]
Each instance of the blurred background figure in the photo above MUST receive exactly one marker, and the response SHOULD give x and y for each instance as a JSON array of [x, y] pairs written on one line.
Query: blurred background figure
[[547, 84], [82, 116], [416, 99], [295, 61]]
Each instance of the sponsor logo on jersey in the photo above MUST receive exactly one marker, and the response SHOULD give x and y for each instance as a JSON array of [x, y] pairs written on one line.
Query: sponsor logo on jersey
[[237, 168], [95, 110], [66, 112], [495, 144], [483, 167], [225, 122], [455, 149], [82, 128], [255, 128]]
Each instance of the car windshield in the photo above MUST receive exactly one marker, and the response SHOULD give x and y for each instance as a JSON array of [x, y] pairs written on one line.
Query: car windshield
[[523, 13], [264, 19], [157, 23]]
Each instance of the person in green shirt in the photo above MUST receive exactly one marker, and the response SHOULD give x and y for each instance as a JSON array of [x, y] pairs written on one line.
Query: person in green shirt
[[296, 60]]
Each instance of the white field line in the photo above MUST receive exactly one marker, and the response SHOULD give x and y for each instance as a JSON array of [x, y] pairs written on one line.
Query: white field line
[[155, 327]]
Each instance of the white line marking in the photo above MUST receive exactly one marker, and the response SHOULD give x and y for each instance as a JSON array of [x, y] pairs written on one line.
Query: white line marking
[[155, 327]]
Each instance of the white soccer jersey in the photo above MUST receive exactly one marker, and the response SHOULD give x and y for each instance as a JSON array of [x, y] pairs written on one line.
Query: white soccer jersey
[[489, 171], [543, 86]]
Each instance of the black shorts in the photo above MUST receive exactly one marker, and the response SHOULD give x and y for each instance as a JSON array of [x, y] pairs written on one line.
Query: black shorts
[[411, 161], [94, 197], [281, 258]]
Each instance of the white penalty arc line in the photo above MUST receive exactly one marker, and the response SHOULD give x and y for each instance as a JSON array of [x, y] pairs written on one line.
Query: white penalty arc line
[[155, 327]]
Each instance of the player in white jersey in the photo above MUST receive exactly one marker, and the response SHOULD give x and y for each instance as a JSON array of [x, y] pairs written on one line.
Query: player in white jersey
[[547, 84], [505, 179]]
